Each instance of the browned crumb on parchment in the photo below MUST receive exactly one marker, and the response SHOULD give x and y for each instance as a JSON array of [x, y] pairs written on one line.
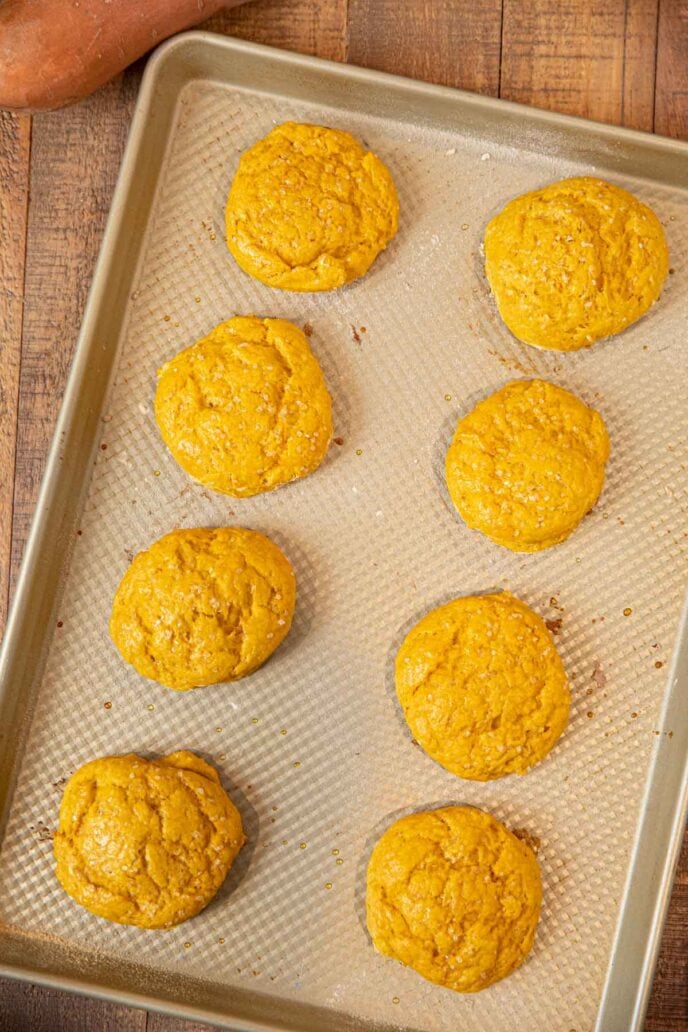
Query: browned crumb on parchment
[[598, 675], [42, 832], [511, 363], [527, 836]]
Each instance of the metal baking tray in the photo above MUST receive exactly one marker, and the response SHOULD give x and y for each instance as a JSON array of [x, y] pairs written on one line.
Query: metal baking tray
[[312, 746]]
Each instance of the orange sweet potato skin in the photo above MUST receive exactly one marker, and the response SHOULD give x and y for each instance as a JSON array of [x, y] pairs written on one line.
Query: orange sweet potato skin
[[54, 52]]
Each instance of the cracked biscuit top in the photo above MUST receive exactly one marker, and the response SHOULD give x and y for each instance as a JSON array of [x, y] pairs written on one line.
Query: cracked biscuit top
[[482, 686], [527, 464], [246, 408], [309, 208], [455, 895], [203, 606], [572, 263], [146, 842]]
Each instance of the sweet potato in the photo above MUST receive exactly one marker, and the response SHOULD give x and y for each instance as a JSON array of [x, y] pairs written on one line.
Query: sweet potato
[[54, 52]]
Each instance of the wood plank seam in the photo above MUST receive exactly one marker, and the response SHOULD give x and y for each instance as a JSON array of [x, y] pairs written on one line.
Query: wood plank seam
[[656, 69], [624, 64], [501, 48], [11, 471], [347, 31]]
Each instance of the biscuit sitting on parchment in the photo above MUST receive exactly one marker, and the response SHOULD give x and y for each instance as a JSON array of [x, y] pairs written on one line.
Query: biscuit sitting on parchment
[[309, 208], [246, 408], [146, 842], [482, 686], [203, 606], [574, 262], [455, 895], [527, 464]]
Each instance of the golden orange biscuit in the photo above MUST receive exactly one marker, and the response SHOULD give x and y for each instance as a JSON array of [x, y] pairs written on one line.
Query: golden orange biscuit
[[146, 842], [574, 262], [203, 606], [246, 408], [482, 686], [309, 208], [527, 464], [455, 895]]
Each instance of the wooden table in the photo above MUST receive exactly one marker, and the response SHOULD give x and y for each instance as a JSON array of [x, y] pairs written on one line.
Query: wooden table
[[620, 62]]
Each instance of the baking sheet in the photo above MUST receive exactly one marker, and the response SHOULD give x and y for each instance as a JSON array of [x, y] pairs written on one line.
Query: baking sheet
[[312, 747]]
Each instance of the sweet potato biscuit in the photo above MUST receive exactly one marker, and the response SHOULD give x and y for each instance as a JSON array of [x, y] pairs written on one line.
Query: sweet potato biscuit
[[455, 895], [309, 208], [574, 262], [246, 408], [203, 606], [482, 686], [146, 842], [527, 464]]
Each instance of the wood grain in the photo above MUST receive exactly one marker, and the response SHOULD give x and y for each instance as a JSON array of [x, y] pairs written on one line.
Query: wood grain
[[75, 157], [27, 1008], [668, 1010], [671, 97], [450, 42], [570, 56], [622, 61], [15, 145], [639, 64], [317, 27]]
